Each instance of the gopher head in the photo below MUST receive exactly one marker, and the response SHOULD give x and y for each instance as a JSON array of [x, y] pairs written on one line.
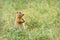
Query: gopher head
[[20, 14]]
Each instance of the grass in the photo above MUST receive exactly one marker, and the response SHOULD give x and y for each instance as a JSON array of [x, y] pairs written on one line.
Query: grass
[[42, 19]]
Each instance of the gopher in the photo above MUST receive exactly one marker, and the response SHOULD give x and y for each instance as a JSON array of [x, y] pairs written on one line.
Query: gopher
[[19, 21]]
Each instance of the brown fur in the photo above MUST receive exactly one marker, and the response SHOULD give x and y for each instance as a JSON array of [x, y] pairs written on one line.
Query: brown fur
[[19, 20]]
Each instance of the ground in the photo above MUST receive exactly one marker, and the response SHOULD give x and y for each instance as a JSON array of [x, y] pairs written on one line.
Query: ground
[[42, 19]]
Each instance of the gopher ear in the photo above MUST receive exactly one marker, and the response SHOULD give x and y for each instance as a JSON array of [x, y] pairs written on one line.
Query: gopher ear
[[23, 14], [16, 12]]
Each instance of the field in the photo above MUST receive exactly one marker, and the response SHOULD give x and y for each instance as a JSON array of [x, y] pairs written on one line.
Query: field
[[42, 19]]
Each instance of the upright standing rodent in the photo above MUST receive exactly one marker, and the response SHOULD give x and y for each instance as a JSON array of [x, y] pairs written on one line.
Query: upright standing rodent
[[19, 21]]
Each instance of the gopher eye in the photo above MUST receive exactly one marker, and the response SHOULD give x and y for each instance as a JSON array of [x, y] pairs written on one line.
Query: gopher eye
[[19, 12]]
